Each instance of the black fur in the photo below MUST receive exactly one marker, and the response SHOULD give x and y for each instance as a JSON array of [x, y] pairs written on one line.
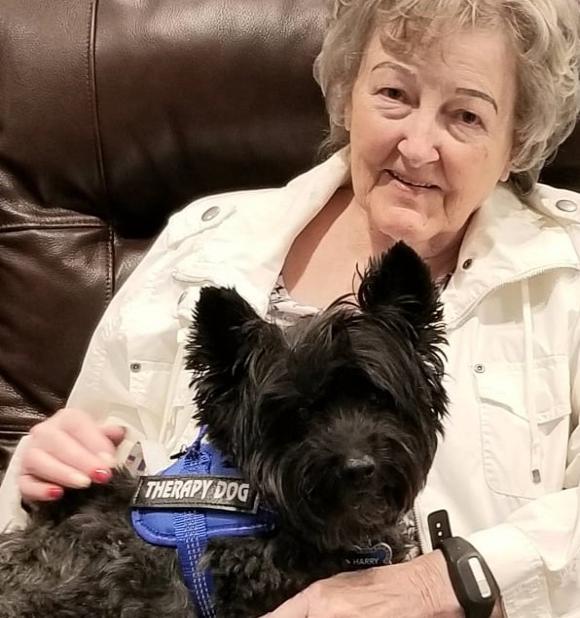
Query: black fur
[[80, 557], [334, 420]]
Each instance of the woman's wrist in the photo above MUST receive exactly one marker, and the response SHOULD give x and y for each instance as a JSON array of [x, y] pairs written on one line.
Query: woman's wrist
[[497, 610], [434, 580]]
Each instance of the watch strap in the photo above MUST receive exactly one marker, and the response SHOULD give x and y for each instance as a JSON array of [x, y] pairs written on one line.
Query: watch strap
[[472, 581]]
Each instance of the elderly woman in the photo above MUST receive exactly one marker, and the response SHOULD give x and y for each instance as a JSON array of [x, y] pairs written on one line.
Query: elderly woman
[[442, 113]]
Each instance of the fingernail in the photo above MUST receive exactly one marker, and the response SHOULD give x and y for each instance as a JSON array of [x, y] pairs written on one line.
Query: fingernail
[[101, 476], [107, 459], [55, 493], [79, 480]]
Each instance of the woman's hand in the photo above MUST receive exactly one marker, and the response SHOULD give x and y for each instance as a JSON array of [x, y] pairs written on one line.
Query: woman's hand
[[416, 589], [67, 450]]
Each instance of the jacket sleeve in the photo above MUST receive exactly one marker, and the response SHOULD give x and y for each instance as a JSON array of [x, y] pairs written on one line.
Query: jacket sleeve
[[102, 387], [535, 554]]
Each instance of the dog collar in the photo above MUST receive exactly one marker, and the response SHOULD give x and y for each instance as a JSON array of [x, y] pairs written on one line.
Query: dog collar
[[197, 498]]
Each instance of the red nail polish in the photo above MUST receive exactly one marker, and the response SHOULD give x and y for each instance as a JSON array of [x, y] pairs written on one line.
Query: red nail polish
[[55, 493], [100, 476]]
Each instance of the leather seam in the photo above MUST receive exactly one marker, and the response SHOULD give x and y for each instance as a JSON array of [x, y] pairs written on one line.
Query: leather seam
[[110, 283], [94, 99], [43, 224]]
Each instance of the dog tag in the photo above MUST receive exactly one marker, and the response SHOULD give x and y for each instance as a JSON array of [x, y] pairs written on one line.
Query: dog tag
[[193, 492], [380, 554]]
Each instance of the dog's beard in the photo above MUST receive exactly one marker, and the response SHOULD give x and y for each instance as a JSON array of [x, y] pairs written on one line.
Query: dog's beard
[[305, 485]]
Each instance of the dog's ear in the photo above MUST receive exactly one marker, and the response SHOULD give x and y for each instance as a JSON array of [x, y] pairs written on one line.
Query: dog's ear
[[400, 278], [222, 330]]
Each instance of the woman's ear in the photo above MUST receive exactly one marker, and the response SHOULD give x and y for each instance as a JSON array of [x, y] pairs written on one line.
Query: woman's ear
[[505, 176], [507, 170], [347, 116]]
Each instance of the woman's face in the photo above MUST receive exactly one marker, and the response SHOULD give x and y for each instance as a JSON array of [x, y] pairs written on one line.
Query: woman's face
[[431, 135]]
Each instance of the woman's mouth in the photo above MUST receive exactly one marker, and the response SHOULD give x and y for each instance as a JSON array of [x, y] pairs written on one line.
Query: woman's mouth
[[408, 182]]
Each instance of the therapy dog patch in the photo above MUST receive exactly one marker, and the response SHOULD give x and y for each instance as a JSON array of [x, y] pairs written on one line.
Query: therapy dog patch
[[223, 493]]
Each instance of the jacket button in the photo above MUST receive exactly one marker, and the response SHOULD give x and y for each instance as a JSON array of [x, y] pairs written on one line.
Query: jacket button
[[210, 213], [479, 368], [467, 264], [135, 367], [566, 206]]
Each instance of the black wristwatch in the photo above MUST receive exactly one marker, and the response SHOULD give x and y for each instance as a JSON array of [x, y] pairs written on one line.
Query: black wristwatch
[[472, 581]]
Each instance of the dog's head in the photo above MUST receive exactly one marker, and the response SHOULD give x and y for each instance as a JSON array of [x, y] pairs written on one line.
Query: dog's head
[[335, 419]]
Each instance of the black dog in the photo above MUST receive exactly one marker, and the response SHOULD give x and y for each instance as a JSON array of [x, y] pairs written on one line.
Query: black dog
[[334, 421]]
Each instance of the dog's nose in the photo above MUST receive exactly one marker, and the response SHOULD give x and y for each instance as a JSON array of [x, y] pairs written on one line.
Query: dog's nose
[[359, 467]]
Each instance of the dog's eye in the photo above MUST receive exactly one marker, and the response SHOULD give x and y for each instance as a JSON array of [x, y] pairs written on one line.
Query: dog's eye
[[382, 401], [303, 413], [378, 399]]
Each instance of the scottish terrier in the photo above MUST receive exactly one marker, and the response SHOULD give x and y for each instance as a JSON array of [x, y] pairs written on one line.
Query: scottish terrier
[[332, 422]]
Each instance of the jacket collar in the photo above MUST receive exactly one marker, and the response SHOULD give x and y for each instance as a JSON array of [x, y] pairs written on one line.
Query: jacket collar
[[506, 241], [248, 248]]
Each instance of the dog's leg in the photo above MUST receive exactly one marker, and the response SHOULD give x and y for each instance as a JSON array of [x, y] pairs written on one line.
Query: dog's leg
[[249, 580]]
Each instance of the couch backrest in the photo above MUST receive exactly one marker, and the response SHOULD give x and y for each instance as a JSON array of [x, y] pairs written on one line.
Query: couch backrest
[[113, 114]]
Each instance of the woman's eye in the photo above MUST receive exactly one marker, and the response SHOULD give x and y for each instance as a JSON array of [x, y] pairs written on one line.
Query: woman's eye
[[393, 93], [468, 118]]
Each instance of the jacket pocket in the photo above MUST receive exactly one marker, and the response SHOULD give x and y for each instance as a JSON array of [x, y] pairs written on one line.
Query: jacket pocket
[[164, 404], [148, 382], [505, 425]]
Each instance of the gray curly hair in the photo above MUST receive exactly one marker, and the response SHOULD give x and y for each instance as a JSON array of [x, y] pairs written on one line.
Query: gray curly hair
[[544, 34]]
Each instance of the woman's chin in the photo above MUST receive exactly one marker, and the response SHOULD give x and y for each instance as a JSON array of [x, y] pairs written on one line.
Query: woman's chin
[[409, 226]]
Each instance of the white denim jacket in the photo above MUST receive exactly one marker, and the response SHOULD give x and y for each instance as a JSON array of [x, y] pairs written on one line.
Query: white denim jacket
[[512, 310]]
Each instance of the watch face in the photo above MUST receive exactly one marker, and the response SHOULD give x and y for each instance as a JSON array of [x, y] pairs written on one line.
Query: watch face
[[479, 577]]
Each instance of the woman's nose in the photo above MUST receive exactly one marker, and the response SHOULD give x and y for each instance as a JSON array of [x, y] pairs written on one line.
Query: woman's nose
[[419, 143]]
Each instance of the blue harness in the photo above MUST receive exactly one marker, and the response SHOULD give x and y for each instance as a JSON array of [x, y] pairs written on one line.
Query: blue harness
[[163, 513]]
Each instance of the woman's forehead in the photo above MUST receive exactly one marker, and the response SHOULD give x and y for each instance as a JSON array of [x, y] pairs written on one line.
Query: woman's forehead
[[474, 55]]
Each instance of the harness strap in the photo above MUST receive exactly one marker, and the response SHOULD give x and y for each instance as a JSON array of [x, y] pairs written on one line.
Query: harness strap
[[191, 535]]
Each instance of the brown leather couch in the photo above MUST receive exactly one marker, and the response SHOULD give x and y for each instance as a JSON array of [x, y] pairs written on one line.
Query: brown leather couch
[[113, 114]]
